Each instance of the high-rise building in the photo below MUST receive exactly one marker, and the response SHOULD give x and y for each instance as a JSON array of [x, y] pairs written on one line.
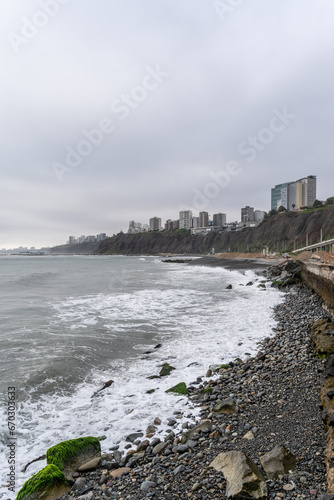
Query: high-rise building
[[185, 219], [247, 214], [219, 220], [195, 222], [134, 227], [101, 237], [203, 219], [279, 196], [307, 191], [169, 225], [295, 195], [259, 215], [91, 238], [155, 224]]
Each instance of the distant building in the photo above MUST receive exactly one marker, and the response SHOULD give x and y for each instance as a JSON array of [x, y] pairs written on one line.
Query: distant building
[[176, 224], [81, 238], [280, 195], [295, 195], [195, 222], [247, 214], [71, 240], [203, 219], [134, 227], [219, 220], [155, 224], [259, 215], [306, 191], [201, 230], [101, 237], [185, 217], [169, 225], [90, 239]]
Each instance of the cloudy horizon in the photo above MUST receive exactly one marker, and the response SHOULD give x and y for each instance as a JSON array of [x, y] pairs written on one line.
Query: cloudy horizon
[[114, 112]]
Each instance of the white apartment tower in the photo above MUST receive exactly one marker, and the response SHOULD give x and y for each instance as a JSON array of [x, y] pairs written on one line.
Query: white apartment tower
[[185, 217]]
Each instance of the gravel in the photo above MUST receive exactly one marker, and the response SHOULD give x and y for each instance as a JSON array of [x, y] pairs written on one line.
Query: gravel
[[278, 397]]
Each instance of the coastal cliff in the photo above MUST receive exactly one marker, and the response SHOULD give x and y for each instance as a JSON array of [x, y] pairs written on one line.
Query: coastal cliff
[[281, 232]]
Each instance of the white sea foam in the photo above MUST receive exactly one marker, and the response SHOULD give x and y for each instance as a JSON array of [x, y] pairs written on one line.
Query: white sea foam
[[195, 318]]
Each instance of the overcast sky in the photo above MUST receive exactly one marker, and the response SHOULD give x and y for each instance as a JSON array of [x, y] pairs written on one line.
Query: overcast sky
[[123, 110]]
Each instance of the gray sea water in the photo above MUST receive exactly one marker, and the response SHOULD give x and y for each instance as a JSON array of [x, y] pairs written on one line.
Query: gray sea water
[[70, 323]]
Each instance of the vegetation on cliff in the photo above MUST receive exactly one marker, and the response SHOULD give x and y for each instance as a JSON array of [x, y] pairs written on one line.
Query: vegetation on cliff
[[280, 232]]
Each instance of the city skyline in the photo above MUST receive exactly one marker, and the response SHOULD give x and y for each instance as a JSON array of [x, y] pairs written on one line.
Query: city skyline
[[282, 195], [115, 111]]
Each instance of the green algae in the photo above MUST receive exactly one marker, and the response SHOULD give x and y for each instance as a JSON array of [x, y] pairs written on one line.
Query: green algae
[[166, 370], [222, 367], [63, 452], [180, 388], [45, 479]]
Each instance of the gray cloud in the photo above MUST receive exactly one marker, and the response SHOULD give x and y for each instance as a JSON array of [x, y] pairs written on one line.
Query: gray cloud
[[225, 79]]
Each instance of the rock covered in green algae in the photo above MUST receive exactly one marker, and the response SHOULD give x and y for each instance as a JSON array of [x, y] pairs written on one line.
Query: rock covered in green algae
[[49, 483], [71, 454], [166, 370], [180, 388]]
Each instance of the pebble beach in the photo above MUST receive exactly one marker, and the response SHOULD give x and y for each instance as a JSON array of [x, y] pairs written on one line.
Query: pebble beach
[[277, 393]]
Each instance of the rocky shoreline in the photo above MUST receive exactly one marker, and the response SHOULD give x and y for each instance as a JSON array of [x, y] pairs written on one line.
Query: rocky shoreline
[[277, 396]]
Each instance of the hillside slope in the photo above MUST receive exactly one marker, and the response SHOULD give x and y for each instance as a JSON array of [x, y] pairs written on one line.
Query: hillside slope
[[282, 232]]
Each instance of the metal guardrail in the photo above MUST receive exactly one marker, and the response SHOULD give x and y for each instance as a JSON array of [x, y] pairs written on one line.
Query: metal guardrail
[[320, 245]]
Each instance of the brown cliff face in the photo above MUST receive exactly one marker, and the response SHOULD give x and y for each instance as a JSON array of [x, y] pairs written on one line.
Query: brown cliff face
[[282, 232]]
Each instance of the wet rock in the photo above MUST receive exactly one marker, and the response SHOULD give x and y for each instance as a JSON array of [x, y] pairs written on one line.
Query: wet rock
[[119, 472], [48, 484], [143, 445], [91, 465], [179, 469], [226, 406], [146, 485], [166, 370], [244, 480], [249, 435], [69, 455], [278, 461], [79, 484], [159, 448], [203, 427], [132, 437]]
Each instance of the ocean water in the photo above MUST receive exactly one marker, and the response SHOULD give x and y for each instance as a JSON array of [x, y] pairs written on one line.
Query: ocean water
[[71, 323]]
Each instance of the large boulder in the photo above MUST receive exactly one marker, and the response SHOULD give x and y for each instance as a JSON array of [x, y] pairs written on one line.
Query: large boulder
[[180, 388], [278, 461], [48, 484], [203, 427], [243, 478], [166, 370], [226, 406], [68, 456]]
